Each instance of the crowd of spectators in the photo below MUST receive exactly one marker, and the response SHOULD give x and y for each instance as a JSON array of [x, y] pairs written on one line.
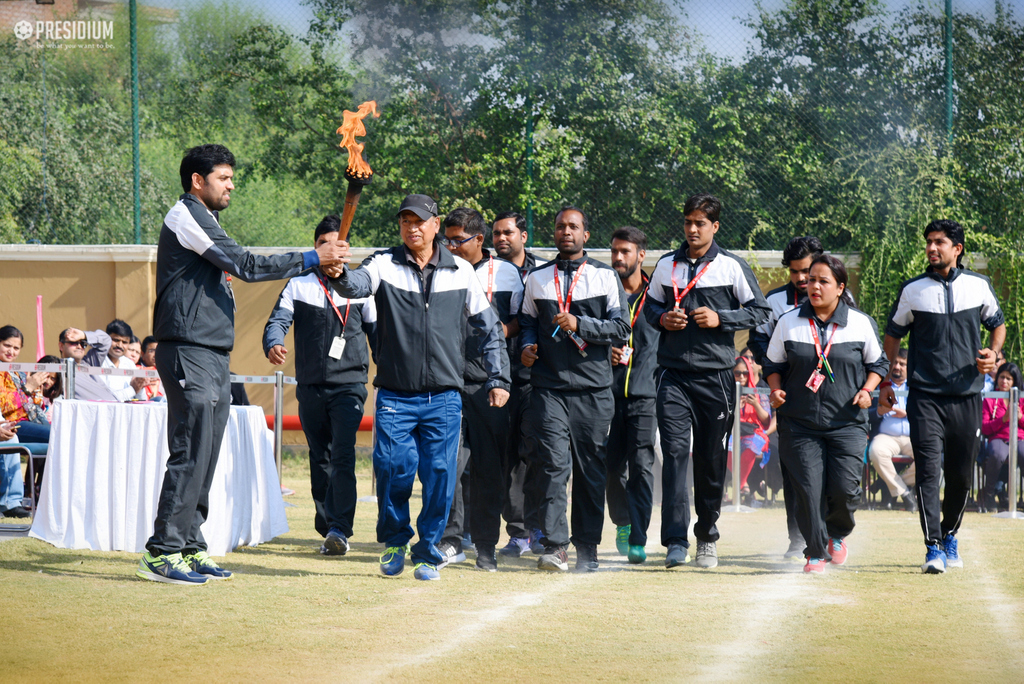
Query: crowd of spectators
[[26, 399]]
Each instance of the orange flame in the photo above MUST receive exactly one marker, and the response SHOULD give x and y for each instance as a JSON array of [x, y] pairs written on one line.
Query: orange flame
[[351, 126]]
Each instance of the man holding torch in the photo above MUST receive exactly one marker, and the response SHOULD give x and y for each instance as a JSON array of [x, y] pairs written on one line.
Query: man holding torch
[[425, 296]]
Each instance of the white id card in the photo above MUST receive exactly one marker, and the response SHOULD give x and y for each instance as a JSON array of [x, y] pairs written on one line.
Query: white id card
[[627, 352], [337, 347]]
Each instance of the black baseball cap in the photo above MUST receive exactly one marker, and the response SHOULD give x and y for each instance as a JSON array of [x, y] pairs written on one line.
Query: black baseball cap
[[421, 205]]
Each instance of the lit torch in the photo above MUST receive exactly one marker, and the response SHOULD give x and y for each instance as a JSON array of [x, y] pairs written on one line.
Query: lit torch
[[358, 172]]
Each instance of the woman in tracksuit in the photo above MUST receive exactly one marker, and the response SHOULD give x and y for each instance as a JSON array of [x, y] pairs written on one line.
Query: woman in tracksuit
[[823, 362]]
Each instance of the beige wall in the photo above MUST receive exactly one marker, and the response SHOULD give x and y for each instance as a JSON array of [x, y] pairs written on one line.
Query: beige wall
[[87, 286]]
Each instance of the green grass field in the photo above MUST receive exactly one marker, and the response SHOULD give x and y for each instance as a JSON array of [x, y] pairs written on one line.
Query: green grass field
[[292, 615]]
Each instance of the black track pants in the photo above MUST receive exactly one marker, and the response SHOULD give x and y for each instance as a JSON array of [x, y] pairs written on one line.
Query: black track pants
[[566, 432], [825, 468], [945, 432], [701, 403], [630, 458], [484, 440], [330, 416], [197, 384], [522, 500]]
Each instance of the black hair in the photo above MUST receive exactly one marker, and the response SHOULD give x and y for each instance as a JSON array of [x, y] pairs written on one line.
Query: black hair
[[470, 220], [903, 353], [55, 391], [328, 224], [148, 340], [9, 331], [1014, 371], [119, 328], [520, 219], [800, 248], [838, 272], [135, 340], [953, 230], [569, 207], [702, 201], [201, 159], [631, 234]]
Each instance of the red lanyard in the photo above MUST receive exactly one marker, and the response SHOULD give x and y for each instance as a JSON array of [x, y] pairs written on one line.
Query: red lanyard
[[568, 295], [689, 286], [817, 341], [636, 314], [334, 306], [490, 279]]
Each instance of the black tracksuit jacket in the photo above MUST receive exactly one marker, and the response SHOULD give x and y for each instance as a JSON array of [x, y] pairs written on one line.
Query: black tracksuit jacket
[[945, 316], [304, 303], [855, 353], [728, 288], [194, 302], [598, 302], [421, 335]]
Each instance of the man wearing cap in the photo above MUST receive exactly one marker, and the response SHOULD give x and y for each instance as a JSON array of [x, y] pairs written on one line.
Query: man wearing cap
[[426, 298]]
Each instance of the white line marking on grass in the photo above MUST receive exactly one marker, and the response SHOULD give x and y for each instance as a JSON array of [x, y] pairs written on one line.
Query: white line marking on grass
[[480, 621], [1004, 610], [767, 610]]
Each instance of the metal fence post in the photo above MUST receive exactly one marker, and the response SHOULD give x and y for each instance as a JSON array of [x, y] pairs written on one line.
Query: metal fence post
[[1011, 462], [278, 418], [736, 449], [69, 378]]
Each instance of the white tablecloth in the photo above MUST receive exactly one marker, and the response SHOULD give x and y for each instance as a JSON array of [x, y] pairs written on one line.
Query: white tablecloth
[[106, 463]]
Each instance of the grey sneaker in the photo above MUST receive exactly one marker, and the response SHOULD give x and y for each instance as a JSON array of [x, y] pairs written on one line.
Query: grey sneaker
[[677, 555], [707, 555]]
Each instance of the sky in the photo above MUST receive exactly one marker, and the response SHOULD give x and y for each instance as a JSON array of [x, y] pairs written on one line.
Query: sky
[[718, 22]]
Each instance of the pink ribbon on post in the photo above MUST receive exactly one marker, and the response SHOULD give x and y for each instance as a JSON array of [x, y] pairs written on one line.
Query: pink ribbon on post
[[40, 346]]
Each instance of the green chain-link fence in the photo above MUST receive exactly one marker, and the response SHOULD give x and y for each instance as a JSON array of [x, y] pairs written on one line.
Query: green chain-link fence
[[835, 118]]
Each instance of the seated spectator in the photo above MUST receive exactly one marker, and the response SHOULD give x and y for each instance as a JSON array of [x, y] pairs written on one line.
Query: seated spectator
[[154, 389], [21, 393], [42, 413], [74, 345], [995, 424], [134, 350], [756, 423], [120, 334], [11, 486], [893, 438]]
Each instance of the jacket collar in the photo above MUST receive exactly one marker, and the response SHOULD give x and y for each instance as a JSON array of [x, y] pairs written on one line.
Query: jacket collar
[[681, 253], [444, 257], [484, 259], [840, 316], [189, 197], [954, 273], [793, 294], [571, 264]]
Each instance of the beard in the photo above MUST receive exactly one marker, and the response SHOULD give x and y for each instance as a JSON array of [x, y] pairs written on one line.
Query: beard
[[626, 271]]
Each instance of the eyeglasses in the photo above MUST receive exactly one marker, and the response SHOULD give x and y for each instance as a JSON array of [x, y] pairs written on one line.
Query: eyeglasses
[[450, 242]]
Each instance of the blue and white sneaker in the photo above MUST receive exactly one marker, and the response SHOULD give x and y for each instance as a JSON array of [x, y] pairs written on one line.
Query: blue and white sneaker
[[953, 559], [392, 561], [516, 547], [934, 560], [451, 552], [169, 568], [426, 571]]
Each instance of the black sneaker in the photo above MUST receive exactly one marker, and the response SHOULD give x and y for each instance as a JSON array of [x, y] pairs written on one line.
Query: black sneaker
[[586, 557], [451, 552], [554, 559], [485, 558], [16, 512], [336, 544]]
